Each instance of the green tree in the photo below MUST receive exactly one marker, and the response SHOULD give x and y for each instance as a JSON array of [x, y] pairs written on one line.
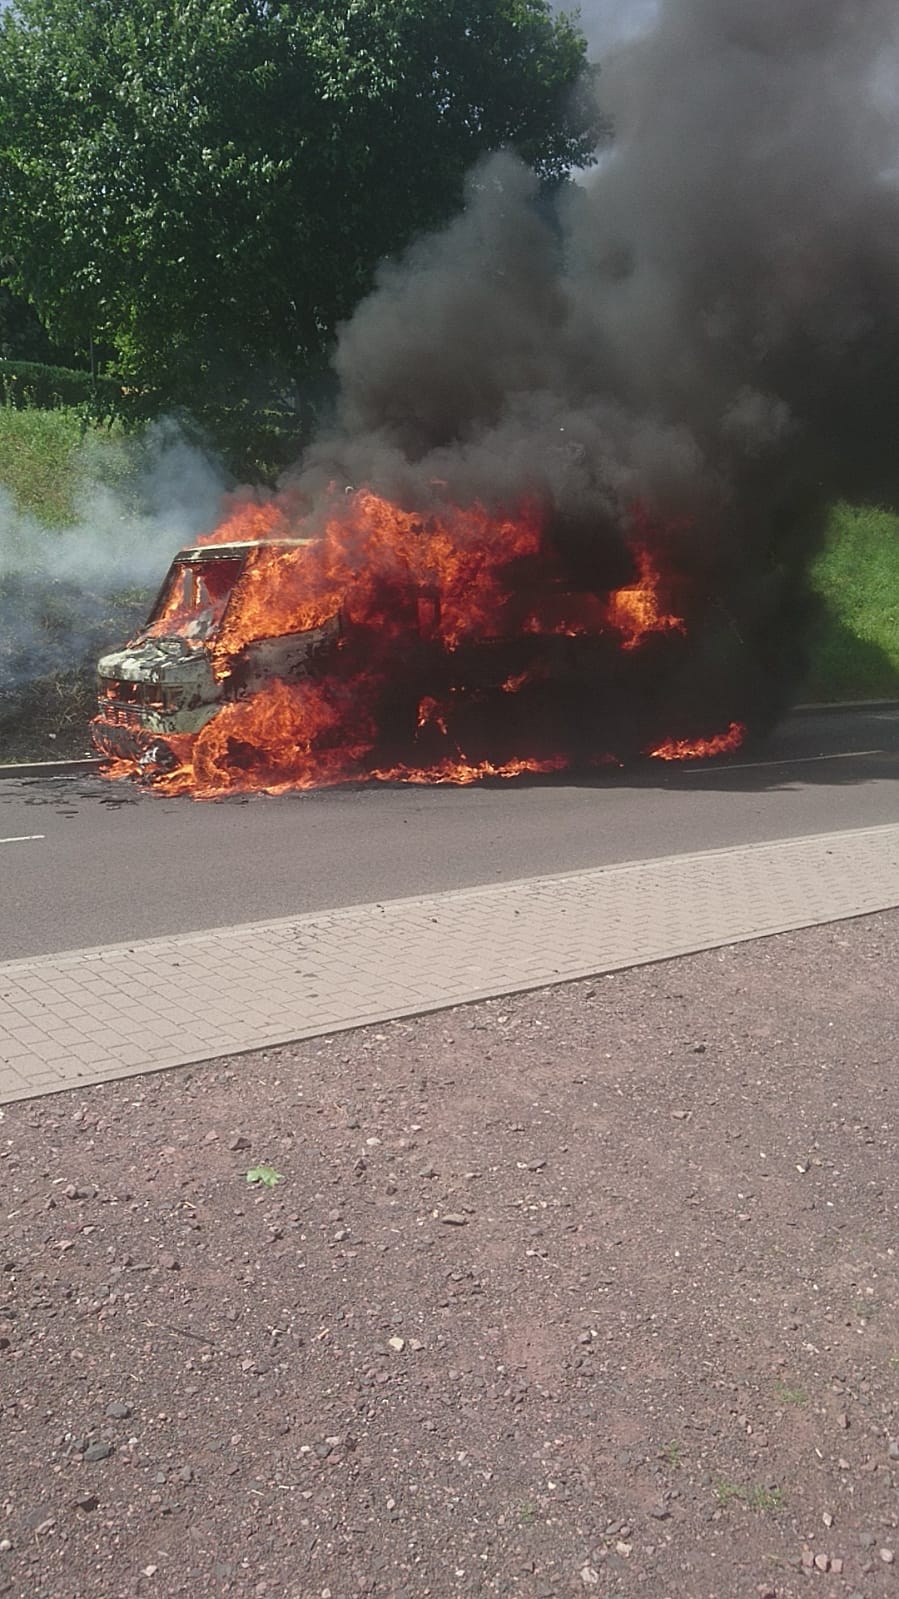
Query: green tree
[[206, 186], [22, 338]]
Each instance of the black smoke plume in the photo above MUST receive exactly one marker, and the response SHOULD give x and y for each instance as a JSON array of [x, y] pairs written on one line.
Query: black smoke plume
[[707, 327]]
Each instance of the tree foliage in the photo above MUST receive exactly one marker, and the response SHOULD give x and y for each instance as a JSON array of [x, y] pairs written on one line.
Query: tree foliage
[[206, 186], [22, 335]]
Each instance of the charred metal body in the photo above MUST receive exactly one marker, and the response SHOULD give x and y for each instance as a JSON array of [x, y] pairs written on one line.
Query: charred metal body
[[165, 686]]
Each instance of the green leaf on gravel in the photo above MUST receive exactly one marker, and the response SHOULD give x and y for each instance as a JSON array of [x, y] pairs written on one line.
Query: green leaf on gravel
[[265, 1175]]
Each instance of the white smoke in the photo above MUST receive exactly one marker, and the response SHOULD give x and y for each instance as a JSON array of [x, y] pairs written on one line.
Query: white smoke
[[69, 593], [123, 535]]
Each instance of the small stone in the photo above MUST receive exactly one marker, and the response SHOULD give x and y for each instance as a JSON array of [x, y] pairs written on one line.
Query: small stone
[[98, 1451], [427, 1171], [867, 1540], [660, 1512], [589, 1576], [808, 1559], [844, 1465], [894, 1451], [5, 1546], [118, 1411], [827, 1519], [836, 1565], [87, 1502], [238, 1142], [185, 1474], [398, 1344], [454, 1218], [822, 1563], [887, 1556], [843, 1421], [168, 1261]]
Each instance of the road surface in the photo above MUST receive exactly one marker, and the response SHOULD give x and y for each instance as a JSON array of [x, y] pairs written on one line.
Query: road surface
[[86, 862]]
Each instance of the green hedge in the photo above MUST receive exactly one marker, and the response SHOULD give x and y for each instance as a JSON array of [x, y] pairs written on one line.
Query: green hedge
[[253, 442], [31, 385]]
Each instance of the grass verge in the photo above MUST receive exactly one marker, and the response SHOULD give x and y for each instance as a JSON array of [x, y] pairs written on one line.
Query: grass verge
[[854, 647], [47, 459]]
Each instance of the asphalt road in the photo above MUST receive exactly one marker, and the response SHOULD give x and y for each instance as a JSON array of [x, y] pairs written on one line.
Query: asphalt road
[[86, 862]]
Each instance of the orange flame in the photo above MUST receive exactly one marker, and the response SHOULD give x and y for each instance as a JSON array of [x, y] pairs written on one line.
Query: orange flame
[[411, 592], [636, 610], [282, 591], [686, 749], [286, 736], [250, 521], [463, 773]]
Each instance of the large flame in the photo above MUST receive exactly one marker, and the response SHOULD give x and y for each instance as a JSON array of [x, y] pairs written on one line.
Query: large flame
[[439, 616]]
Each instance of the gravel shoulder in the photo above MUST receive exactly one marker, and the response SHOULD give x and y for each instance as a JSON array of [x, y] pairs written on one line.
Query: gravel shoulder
[[588, 1291]]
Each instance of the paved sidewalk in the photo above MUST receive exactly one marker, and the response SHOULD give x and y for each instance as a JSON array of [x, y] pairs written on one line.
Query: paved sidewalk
[[88, 1015]]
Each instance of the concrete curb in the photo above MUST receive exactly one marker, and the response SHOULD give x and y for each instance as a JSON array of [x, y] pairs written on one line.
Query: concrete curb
[[85, 763], [847, 705]]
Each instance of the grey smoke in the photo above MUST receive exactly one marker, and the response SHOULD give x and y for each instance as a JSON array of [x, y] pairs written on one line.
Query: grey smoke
[[609, 23]]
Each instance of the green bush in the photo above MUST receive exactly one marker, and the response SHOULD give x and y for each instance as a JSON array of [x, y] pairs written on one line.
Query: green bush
[[31, 385]]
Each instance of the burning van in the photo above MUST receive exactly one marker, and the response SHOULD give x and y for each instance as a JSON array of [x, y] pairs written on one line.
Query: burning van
[[438, 646], [184, 665]]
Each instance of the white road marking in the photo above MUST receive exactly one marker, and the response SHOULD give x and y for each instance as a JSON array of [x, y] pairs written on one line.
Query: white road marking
[[794, 760], [24, 838]]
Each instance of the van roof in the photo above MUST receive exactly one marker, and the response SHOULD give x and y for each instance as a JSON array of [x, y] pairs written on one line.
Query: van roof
[[223, 552]]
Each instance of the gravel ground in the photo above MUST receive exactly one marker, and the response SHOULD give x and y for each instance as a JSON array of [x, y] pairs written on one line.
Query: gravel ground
[[589, 1291]]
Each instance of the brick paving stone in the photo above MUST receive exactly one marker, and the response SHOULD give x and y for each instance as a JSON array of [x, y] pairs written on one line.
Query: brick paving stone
[[84, 1016]]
